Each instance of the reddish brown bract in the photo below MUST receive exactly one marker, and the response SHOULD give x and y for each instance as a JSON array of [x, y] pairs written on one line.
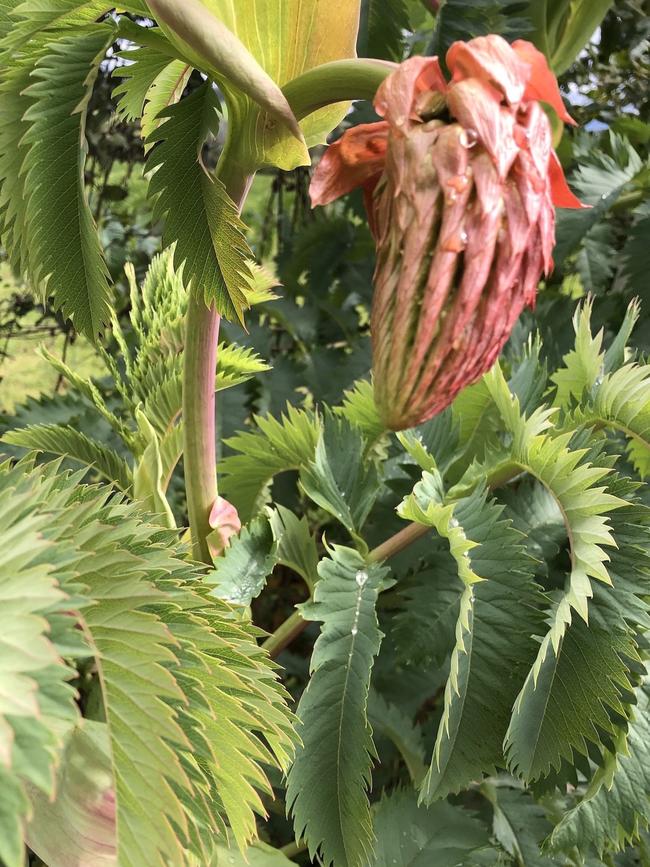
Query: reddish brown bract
[[461, 181]]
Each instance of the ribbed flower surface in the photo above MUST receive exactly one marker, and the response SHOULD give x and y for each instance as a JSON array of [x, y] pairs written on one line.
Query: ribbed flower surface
[[461, 181]]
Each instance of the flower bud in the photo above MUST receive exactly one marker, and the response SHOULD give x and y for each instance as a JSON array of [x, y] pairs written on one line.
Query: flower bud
[[225, 523], [460, 180]]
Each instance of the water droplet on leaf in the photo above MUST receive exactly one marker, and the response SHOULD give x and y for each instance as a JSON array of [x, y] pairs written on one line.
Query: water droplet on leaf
[[468, 138], [361, 577]]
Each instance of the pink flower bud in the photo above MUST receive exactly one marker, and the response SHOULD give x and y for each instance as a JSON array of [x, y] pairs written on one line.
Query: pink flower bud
[[460, 181], [225, 523]]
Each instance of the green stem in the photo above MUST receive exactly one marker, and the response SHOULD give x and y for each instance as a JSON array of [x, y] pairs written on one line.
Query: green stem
[[293, 849], [338, 81], [398, 542], [326, 84], [285, 634], [628, 201], [199, 405]]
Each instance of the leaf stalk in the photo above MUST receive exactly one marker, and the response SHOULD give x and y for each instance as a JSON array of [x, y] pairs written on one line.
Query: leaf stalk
[[199, 399]]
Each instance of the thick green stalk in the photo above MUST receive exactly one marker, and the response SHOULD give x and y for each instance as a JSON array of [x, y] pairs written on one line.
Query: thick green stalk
[[199, 452], [199, 403], [332, 82], [338, 81]]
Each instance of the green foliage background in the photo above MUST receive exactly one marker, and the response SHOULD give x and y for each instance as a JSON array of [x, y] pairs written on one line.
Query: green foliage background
[[482, 698]]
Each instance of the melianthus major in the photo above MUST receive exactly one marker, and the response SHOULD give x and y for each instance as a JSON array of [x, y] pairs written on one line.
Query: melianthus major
[[480, 579]]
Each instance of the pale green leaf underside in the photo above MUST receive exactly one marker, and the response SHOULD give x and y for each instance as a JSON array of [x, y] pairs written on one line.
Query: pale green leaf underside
[[193, 710], [289, 37], [79, 826]]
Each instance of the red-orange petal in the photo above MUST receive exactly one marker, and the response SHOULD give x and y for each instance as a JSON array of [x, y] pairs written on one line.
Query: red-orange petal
[[477, 106], [397, 96], [355, 159], [560, 192], [542, 84], [491, 60]]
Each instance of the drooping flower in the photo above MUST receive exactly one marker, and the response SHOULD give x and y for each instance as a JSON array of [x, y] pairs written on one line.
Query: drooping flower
[[460, 181]]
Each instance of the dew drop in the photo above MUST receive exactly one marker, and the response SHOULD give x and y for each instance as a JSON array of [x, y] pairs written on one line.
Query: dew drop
[[361, 577], [598, 381], [468, 138], [456, 243], [458, 182], [354, 630]]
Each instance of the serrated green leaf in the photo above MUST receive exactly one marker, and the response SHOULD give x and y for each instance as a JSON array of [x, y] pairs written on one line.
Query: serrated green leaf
[[240, 574], [193, 709], [498, 613], [64, 255], [31, 16], [584, 364], [465, 19], [338, 479], [87, 388], [166, 89], [434, 444], [636, 252], [535, 512], [259, 855], [415, 836], [67, 441], [328, 782], [79, 825], [617, 803], [621, 401], [383, 25], [274, 447], [141, 69], [296, 544], [13, 150], [565, 704], [200, 218], [519, 825], [359, 408], [424, 626], [388, 720]]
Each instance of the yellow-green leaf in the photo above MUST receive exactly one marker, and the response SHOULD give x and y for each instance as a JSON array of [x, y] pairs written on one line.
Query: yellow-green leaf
[[286, 38]]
